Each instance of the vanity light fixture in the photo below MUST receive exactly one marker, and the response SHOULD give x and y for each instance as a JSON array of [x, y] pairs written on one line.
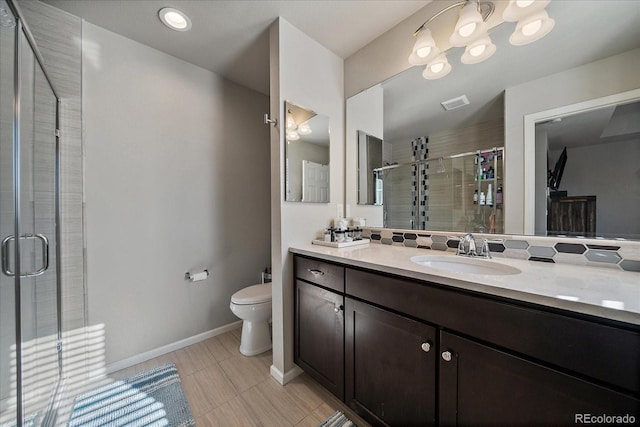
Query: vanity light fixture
[[471, 32], [174, 19]]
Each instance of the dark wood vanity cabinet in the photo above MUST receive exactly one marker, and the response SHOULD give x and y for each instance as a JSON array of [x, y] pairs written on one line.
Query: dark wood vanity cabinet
[[419, 353], [390, 363], [319, 322], [481, 385]]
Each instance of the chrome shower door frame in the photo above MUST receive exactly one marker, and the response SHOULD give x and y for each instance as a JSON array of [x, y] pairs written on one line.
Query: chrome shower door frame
[[15, 269]]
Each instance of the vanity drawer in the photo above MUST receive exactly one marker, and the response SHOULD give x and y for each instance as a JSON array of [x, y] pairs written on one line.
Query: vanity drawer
[[592, 348], [320, 273]]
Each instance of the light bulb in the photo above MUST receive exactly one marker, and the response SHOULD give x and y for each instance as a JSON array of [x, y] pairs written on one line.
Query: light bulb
[[304, 129], [524, 3], [174, 19], [477, 50], [423, 52], [436, 68], [439, 68], [532, 27], [467, 30], [518, 10], [292, 135]]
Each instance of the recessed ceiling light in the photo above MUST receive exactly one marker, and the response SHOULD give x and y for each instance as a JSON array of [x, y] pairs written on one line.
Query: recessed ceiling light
[[174, 19]]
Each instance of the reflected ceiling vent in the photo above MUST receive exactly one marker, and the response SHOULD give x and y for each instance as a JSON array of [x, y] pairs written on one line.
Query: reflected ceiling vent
[[454, 103]]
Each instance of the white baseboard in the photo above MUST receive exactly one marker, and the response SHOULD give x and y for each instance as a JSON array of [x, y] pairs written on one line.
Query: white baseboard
[[148, 355], [284, 378]]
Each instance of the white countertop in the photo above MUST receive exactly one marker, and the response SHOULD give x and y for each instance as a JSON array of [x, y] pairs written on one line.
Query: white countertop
[[603, 292]]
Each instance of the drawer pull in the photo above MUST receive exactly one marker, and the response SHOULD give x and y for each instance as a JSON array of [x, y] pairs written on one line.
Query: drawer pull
[[316, 273], [446, 356], [425, 347]]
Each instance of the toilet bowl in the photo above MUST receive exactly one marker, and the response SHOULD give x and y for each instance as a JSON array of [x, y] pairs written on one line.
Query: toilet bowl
[[253, 305]]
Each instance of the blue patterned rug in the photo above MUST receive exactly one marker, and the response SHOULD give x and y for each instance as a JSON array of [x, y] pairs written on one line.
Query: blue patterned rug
[[337, 420], [152, 398]]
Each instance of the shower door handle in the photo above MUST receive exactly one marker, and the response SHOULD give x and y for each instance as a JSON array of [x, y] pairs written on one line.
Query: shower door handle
[[6, 268]]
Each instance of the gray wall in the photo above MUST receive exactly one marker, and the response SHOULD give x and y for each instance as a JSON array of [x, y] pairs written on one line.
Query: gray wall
[[177, 180], [609, 171], [297, 151]]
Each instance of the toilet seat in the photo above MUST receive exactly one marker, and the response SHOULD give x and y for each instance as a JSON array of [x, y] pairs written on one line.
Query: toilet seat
[[252, 295]]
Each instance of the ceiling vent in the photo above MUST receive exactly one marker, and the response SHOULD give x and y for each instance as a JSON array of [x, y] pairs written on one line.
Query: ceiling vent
[[454, 103]]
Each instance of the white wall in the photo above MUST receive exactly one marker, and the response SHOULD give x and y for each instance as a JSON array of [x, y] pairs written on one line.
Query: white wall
[[176, 180], [306, 73], [365, 112], [542, 148], [601, 78]]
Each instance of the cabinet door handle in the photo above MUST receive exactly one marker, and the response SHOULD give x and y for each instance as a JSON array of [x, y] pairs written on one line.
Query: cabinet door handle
[[425, 347], [338, 308], [316, 273], [446, 356]]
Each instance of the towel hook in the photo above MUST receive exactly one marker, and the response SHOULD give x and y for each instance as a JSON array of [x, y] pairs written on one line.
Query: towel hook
[[268, 121]]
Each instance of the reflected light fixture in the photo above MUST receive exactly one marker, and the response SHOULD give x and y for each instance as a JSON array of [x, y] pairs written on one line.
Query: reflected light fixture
[[294, 130], [471, 32], [304, 129], [174, 19]]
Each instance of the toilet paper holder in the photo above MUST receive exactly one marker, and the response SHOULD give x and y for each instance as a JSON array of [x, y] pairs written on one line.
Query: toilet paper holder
[[195, 277]]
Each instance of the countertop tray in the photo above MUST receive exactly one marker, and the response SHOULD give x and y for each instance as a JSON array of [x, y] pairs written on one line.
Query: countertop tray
[[341, 244]]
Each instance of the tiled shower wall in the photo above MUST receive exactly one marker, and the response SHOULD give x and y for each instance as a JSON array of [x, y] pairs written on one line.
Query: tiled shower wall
[[617, 254], [58, 36]]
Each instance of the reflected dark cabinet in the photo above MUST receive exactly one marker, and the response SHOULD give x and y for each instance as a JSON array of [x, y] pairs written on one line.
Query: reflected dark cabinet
[[390, 363], [573, 216], [480, 385]]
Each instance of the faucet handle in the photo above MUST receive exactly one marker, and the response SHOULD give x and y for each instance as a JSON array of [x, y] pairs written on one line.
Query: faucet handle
[[485, 252], [461, 250], [472, 246]]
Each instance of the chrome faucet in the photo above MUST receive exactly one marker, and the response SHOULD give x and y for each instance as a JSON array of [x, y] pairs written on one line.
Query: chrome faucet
[[467, 246]]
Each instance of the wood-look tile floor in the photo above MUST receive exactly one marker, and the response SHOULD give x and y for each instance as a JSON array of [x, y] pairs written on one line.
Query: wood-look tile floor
[[225, 388]]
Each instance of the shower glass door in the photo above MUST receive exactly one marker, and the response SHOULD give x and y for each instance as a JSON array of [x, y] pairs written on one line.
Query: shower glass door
[[30, 364]]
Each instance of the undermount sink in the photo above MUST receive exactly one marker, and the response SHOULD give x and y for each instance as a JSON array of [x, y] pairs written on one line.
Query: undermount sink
[[459, 264]]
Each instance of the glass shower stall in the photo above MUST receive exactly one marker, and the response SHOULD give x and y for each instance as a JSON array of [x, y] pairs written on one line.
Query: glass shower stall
[[30, 301]]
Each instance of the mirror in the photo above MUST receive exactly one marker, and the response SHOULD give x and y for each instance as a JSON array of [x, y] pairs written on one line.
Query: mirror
[[573, 62], [307, 155], [369, 169], [586, 168]]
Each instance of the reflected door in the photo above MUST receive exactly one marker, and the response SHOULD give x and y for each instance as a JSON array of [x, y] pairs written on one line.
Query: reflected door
[[315, 182]]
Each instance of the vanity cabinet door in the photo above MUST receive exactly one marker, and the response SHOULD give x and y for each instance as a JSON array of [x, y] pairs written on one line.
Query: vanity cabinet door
[[480, 385], [390, 363], [319, 335]]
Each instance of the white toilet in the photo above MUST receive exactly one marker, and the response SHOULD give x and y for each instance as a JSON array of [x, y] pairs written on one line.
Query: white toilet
[[253, 305]]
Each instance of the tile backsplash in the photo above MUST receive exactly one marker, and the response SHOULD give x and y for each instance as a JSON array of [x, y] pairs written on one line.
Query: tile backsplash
[[617, 254]]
